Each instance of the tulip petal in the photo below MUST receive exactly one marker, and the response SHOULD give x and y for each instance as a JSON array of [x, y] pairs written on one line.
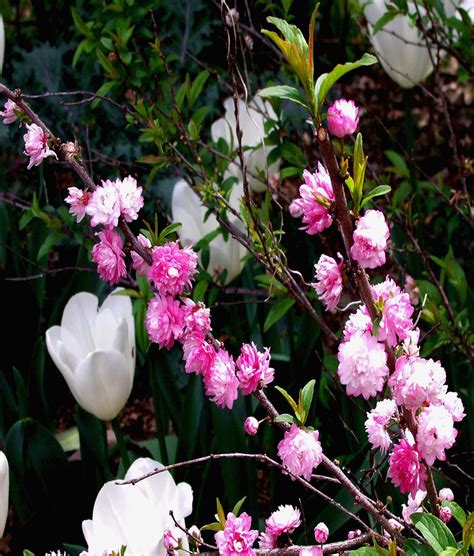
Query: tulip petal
[[78, 319], [121, 307], [4, 488], [56, 352], [184, 505]]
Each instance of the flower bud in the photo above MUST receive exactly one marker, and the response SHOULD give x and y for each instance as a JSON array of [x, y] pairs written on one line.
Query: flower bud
[[354, 534], [343, 118], [446, 494], [170, 541], [251, 426], [321, 533], [445, 514], [195, 534]]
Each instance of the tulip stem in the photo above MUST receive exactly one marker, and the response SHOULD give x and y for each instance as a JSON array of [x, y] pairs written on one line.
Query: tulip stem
[[121, 443]]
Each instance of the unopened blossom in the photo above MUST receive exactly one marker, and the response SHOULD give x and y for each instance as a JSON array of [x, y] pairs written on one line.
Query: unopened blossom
[[370, 240], [195, 534], [164, 320], [396, 312], [138, 262], [395, 524], [295, 208], [406, 470], [416, 381], [131, 198], [452, 402], [254, 369], [9, 113], [362, 365], [300, 451], [413, 505], [354, 534], [316, 198], [343, 117], [220, 381], [251, 426], [109, 256], [445, 514], [412, 289], [284, 520], [172, 267], [231, 17], [321, 533], [170, 540], [198, 354], [446, 494], [329, 281], [197, 317], [377, 422], [36, 145], [78, 200], [237, 537], [436, 433], [104, 205]]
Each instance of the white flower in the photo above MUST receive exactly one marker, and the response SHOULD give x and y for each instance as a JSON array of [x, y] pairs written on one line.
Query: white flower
[[95, 351], [400, 47], [187, 209], [4, 487], [252, 118], [136, 516]]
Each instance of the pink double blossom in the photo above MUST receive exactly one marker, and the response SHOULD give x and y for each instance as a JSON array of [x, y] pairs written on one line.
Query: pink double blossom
[[436, 433], [300, 451], [251, 426], [370, 240], [198, 354], [104, 205], [220, 381], [237, 538], [9, 113], [343, 117], [197, 317], [172, 267], [254, 369], [283, 521], [452, 402], [109, 256], [377, 422], [329, 281], [36, 145], [78, 199], [131, 198], [164, 320], [317, 196], [406, 469]]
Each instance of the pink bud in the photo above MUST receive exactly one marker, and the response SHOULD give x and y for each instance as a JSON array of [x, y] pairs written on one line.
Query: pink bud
[[251, 426], [343, 117], [170, 542], [321, 533], [445, 514], [354, 534], [446, 494]]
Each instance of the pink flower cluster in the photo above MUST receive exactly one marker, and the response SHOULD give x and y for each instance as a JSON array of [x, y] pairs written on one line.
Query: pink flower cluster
[[254, 369], [237, 537], [108, 255], [370, 240], [329, 281], [36, 145], [377, 423], [406, 468], [172, 268], [281, 522], [300, 451], [343, 117]]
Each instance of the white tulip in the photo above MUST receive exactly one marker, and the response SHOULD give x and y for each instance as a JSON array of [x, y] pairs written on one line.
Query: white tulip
[[401, 49], [2, 43], [251, 119], [4, 488], [136, 516], [95, 351], [187, 209]]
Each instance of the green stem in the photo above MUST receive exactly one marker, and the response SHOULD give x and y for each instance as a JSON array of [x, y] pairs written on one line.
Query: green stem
[[121, 443]]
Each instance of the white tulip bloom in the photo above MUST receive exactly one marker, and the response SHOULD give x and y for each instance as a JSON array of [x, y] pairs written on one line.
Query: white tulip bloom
[[252, 119], [187, 209], [4, 488], [136, 516], [401, 49], [95, 351]]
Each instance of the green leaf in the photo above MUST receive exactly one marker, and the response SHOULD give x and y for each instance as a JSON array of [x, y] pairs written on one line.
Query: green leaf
[[278, 311], [220, 513], [171, 229], [284, 92], [399, 165], [293, 154], [290, 172], [376, 192], [197, 87], [237, 507], [384, 20], [216, 526], [458, 513], [50, 241], [288, 398], [27, 552], [81, 25], [468, 530], [339, 71], [451, 551], [307, 396], [413, 547], [434, 531], [369, 551], [284, 418]]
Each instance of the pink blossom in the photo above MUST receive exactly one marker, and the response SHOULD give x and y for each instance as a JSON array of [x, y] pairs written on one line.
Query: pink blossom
[[198, 354], [405, 467], [251, 426], [377, 422], [395, 524], [321, 533], [108, 255], [310, 551], [78, 200], [237, 538], [446, 494], [254, 369], [138, 262], [410, 344], [354, 534], [172, 268], [300, 451], [343, 117], [329, 281], [131, 198], [396, 312], [370, 240], [316, 198], [9, 113], [413, 505], [358, 323], [412, 289], [296, 208], [283, 521], [164, 320], [220, 381], [267, 541], [197, 317], [416, 381], [36, 145], [104, 205], [452, 402], [170, 540], [362, 365], [445, 514], [436, 433]]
